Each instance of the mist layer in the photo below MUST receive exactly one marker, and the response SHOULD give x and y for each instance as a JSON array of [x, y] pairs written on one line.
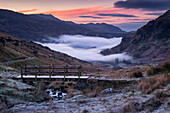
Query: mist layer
[[85, 47]]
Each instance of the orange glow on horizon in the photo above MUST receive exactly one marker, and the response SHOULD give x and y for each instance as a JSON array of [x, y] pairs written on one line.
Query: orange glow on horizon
[[73, 15], [27, 11]]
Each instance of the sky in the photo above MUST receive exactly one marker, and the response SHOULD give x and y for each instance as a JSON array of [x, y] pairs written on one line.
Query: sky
[[127, 14]]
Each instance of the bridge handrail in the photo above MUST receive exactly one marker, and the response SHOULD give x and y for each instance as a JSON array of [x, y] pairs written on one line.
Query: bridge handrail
[[25, 70]]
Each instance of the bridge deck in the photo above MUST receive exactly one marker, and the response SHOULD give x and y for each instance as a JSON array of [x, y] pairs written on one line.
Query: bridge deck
[[55, 77]]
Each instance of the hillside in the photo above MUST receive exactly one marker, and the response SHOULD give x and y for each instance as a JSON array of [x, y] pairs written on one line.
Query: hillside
[[48, 17], [103, 28], [106, 30], [31, 27], [150, 42], [16, 52], [36, 27]]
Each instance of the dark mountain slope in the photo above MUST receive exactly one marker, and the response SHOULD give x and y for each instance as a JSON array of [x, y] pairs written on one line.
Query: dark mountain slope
[[36, 27], [106, 30], [30, 27], [30, 53], [48, 17], [152, 41], [103, 28]]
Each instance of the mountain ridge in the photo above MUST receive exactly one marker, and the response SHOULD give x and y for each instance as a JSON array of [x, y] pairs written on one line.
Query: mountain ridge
[[39, 26], [152, 41], [103, 27]]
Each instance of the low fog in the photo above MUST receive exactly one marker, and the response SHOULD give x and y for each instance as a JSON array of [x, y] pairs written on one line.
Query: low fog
[[85, 47]]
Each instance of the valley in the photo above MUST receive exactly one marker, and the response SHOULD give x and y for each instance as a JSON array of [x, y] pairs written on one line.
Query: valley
[[126, 72]]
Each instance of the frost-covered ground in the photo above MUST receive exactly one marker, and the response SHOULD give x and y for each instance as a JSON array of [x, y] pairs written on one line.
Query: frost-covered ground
[[8, 72], [157, 102]]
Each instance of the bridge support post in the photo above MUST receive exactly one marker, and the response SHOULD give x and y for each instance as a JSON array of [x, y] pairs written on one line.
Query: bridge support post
[[50, 72], [36, 74], [79, 73], [22, 75]]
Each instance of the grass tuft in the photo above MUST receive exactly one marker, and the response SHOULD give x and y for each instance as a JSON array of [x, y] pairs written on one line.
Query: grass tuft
[[149, 85], [159, 69]]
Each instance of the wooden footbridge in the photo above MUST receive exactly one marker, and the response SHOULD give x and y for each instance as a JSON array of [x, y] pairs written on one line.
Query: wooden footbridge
[[51, 73]]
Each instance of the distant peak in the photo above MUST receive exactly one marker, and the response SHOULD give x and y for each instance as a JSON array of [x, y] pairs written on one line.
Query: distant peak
[[46, 16], [166, 13]]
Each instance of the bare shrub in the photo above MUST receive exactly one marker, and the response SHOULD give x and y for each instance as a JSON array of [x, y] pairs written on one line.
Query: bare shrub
[[167, 66], [159, 69], [154, 71], [131, 107], [85, 111], [136, 74], [92, 93]]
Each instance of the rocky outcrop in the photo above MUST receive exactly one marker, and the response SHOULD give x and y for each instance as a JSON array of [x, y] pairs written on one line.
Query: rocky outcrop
[[14, 92], [149, 42]]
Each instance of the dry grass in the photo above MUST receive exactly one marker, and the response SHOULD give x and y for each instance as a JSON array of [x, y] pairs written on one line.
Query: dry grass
[[149, 85], [159, 69]]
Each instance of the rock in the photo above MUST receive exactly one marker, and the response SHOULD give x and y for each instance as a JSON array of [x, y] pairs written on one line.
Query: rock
[[77, 93], [110, 90], [151, 105], [73, 92], [132, 106], [16, 92], [91, 95], [78, 97]]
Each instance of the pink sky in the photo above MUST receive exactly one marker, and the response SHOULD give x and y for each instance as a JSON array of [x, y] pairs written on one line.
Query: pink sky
[[81, 11]]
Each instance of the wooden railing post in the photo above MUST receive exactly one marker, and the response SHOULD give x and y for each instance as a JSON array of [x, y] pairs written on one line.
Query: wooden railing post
[[50, 71], [79, 72], [25, 70], [22, 75], [36, 74], [64, 73]]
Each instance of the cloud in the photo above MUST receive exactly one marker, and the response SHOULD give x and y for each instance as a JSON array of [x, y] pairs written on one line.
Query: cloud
[[90, 17], [154, 14], [89, 21], [27, 11], [117, 15], [75, 12], [88, 14], [139, 19], [144, 4], [86, 48]]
